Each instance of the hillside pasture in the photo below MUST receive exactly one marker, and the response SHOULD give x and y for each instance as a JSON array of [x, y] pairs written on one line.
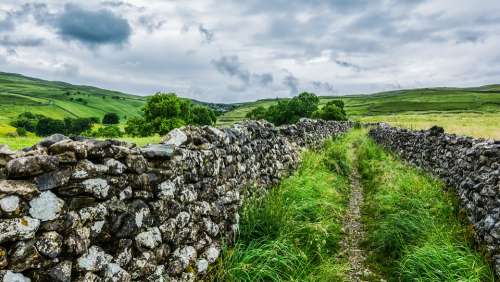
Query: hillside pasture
[[474, 112]]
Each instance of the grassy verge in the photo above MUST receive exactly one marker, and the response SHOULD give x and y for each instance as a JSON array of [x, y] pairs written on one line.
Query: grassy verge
[[293, 233], [413, 229]]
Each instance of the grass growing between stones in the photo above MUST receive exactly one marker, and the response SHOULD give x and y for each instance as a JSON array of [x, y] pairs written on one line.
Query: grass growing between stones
[[413, 229], [293, 233]]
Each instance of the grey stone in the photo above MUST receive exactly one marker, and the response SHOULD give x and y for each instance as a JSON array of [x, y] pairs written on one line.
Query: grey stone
[[149, 239], [9, 203], [52, 139], [52, 180], [158, 151], [114, 273], [94, 260], [15, 277], [24, 189], [98, 187], [61, 272], [18, 229], [46, 206], [31, 165], [175, 137], [49, 244]]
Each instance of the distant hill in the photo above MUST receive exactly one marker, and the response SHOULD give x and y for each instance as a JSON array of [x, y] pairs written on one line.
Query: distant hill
[[56, 99], [425, 100]]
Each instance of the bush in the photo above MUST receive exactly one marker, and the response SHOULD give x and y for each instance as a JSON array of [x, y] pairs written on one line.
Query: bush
[[43, 126], [288, 111], [21, 131], [48, 126], [110, 131], [111, 118], [333, 110], [138, 127], [26, 120], [201, 115], [257, 113]]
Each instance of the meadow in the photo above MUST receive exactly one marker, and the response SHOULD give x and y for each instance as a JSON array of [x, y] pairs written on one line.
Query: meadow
[[465, 111]]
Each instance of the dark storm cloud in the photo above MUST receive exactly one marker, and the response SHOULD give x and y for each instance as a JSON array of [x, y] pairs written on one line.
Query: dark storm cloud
[[231, 66], [347, 65], [92, 27], [292, 83], [38, 11], [206, 33], [8, 41], [323, 86], [264, 79]]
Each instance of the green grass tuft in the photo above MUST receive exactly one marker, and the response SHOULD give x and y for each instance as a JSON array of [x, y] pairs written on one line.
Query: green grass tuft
[[292, 233], [413, 229]]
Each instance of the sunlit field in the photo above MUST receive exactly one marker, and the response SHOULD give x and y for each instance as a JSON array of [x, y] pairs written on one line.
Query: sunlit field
[[471, 124]]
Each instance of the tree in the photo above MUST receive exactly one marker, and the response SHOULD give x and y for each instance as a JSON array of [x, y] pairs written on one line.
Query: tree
[[288, 111], [111, 118], [138, 127], [333, 110], [110, 131], [257, 113], [21, 132], [75, 126], [201, 115], [48, 126]]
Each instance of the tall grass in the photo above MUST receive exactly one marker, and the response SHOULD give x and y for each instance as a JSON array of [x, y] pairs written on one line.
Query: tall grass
[[293, 233], [413, 229]]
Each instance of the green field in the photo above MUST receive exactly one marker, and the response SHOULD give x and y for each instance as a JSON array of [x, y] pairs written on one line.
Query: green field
[[466, 111], [59, 100]]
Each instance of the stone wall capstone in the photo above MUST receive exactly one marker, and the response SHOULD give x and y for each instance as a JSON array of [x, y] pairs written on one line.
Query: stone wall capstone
[[88, 210], [471, 166]]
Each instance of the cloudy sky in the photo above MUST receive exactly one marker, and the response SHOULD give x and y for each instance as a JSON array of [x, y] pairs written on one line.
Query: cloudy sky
[[227, 51]]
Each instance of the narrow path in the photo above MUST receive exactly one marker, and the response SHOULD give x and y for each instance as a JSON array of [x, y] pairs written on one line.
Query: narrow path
[[353, 231]]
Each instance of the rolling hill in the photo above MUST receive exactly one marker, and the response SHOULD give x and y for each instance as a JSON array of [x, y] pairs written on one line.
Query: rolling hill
[[19, 93], [468, 111], [56, 99]]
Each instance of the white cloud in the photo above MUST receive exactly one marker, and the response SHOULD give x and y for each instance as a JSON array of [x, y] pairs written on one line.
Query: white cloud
[[282, 46]]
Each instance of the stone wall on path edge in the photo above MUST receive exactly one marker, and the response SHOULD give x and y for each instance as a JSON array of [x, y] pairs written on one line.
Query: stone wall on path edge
[[87, 210], [471, 166]]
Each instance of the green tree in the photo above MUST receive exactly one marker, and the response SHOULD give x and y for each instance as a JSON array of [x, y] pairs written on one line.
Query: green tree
[[257, 113], [138, 127], [48, 126], [333, 110], [110, 131], [111, 118], [288, 111], [201, 115]]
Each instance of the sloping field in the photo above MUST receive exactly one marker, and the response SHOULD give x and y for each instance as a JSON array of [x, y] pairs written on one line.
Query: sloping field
[[58, 100], [470, 111]]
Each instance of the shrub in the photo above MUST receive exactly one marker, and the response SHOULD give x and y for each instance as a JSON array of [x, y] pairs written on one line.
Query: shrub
[[110, 131], [138, 127], [21, 131], [333, 110], [288, 111], [201, 115], [111, 118], [48, 126]]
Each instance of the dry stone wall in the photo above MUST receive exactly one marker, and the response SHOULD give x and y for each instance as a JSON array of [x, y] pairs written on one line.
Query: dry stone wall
[[471, 166], [87, 210]]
